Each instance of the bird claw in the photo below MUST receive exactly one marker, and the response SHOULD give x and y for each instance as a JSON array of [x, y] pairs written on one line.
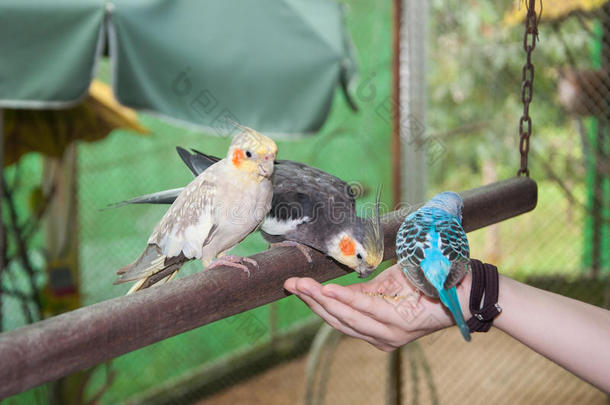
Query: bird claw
[[251, 261], [236, 262], [305, 250]]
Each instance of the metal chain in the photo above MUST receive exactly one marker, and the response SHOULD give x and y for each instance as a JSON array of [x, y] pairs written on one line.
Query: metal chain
[[527, 84]]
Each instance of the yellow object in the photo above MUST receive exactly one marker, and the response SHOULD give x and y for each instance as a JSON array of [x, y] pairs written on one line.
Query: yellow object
[[552, 9], [51, 131], [107, 108]]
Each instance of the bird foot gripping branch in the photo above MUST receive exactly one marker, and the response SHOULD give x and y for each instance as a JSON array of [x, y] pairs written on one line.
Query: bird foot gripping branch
[[234, 261], [302, 248]]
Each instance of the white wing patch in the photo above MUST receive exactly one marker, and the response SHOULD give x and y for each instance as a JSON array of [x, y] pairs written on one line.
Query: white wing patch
[[190, 219], [274, 226], [189, 240]]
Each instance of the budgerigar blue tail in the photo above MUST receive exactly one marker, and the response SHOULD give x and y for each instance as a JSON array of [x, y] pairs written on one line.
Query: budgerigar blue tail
[[450, 299]]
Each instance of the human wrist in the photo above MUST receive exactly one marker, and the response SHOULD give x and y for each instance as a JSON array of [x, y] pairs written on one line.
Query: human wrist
[[463, 292], [484, 294], [505, 290]]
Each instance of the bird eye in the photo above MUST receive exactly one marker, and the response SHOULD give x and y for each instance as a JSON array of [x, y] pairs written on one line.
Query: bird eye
[[248, 154], [359, 256]]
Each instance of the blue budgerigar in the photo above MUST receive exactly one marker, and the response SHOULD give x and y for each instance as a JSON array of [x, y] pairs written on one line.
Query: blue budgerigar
[[432, 249]]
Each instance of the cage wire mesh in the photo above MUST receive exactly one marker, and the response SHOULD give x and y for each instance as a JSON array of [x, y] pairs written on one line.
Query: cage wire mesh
[[474, 57]]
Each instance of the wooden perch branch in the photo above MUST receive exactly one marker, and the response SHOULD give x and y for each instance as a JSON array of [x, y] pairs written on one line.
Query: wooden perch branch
[[50, 349]]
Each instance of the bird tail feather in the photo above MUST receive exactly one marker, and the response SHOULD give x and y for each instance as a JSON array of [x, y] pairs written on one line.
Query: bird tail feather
[[450, 299], [161, 197], [150, 268]]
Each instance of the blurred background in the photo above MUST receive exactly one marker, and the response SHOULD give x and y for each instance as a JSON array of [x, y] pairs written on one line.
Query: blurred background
[[62, 168]]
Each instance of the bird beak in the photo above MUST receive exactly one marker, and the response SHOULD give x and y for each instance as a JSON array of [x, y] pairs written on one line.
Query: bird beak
[[262, 171], [265, 168], [364, 271]]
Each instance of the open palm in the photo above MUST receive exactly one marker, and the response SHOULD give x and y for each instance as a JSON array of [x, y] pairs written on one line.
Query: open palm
[[386, 311]]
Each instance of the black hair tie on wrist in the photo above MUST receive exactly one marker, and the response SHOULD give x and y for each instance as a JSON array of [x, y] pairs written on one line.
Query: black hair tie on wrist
[[485, 283]]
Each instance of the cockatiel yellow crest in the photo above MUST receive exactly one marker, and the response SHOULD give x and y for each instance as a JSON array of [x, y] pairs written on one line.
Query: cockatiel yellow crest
[[213, 213]]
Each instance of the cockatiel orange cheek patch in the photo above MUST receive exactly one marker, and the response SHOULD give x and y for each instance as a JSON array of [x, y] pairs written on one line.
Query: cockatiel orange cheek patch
[[238, 157], [347, 246]]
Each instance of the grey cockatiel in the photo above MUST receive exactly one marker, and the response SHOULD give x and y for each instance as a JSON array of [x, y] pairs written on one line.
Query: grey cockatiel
[[310, 207], [213, 213]]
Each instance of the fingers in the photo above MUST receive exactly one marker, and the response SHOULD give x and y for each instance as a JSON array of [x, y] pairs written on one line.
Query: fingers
[[351, 316], [385, 323], [304, 288], [341, 316], [372, 307], [330, 319], [291, 284]]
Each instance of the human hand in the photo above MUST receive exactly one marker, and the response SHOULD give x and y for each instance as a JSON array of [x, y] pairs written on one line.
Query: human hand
[[385, 311]]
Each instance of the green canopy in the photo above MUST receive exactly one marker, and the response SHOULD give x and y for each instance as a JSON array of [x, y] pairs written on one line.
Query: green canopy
[[270, 64]]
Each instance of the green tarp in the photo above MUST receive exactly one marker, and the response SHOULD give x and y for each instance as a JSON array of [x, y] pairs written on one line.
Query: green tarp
[[270, 64]]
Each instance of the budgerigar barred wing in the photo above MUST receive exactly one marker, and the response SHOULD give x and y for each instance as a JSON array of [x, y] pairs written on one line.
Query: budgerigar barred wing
[[454, 245], [412, 240]]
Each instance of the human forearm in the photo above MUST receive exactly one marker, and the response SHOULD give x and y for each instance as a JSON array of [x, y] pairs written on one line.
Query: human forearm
[[571, 333]]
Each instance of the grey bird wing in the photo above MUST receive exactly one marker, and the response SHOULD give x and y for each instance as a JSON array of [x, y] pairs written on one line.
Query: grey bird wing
[[197, 161], [292, 176], [306, 202]]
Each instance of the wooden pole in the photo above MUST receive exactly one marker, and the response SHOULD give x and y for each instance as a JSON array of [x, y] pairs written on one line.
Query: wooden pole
[[55, 347], [415, 142], [395, 144], [393, 384], [2, 241]]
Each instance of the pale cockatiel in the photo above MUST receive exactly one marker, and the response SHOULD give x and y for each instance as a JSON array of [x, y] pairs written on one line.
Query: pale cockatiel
[[310, 208], [213, 213]]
